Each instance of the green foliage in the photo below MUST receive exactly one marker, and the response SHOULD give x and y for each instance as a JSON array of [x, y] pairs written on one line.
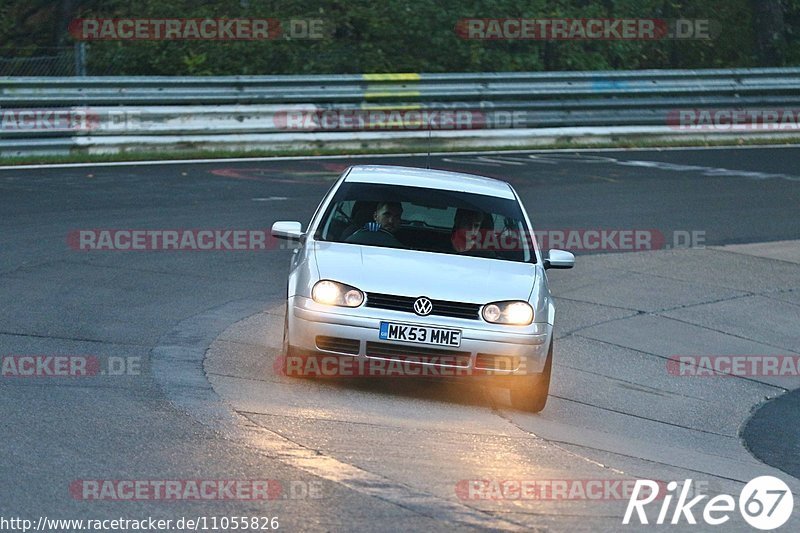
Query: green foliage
[[395, 36]]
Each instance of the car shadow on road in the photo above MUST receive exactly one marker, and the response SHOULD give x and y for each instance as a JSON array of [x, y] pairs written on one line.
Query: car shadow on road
[[475, 392]]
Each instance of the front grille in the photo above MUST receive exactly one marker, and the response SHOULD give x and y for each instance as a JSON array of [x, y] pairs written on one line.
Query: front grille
[[398, 352], [486, 361], [336, 344], [406, 305]]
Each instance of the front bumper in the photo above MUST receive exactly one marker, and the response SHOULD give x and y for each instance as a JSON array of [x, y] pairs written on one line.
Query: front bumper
[[520, 350]]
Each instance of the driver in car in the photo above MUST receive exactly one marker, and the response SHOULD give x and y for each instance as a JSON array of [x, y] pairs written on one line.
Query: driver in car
[[380, 231]]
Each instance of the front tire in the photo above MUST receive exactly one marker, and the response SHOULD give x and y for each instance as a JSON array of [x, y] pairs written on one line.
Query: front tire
[[289, 353], [529, 393]]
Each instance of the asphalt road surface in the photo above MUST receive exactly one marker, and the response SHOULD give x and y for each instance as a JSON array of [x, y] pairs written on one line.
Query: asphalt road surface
[[169, 407]]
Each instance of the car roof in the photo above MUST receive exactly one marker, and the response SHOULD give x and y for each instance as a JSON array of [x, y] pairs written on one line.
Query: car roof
[[429, 179]]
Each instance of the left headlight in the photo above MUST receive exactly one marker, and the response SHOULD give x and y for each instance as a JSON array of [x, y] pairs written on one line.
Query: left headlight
[[515, 313], [334, 293]]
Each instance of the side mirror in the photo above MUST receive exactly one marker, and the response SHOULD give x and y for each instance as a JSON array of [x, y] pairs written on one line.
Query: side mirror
[[559, 259], [288, 230]]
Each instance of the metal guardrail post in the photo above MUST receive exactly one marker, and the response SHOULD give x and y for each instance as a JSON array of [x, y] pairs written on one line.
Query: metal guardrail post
[[80, 59]]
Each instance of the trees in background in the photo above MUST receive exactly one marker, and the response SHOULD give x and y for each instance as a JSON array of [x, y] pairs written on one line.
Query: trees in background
[[409, 35], [770, 30]]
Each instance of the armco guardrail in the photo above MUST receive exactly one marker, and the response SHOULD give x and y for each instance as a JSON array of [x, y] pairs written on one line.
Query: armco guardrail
[[138, 113]]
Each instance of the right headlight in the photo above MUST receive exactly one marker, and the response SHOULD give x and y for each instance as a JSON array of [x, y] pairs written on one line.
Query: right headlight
[[514, 313], [334, 293]]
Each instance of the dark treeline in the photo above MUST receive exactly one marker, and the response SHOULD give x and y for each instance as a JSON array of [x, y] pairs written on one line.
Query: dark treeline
[[408, 36]]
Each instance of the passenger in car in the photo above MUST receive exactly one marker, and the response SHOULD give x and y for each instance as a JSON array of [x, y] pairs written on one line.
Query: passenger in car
[[380, 231], [466, 233]]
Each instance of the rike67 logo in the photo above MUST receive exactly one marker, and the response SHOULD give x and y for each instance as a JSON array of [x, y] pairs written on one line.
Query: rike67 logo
[[765, 503]]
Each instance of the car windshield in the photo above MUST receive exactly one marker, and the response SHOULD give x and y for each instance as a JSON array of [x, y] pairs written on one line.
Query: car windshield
[[431, 220]]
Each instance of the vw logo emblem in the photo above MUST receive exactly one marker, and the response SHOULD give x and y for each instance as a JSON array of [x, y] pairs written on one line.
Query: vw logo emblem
[[423, 306]]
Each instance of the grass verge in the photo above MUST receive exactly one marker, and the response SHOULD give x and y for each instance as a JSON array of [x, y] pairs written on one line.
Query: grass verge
[[420, 149]]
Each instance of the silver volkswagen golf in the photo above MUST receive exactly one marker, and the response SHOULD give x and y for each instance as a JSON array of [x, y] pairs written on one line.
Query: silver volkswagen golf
[[436, 269]]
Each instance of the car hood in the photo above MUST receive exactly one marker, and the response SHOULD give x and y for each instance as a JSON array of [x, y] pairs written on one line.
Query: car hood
[[413, 273]]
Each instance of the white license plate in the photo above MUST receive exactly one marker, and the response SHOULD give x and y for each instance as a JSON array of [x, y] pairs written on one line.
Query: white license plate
[[391, 331]]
